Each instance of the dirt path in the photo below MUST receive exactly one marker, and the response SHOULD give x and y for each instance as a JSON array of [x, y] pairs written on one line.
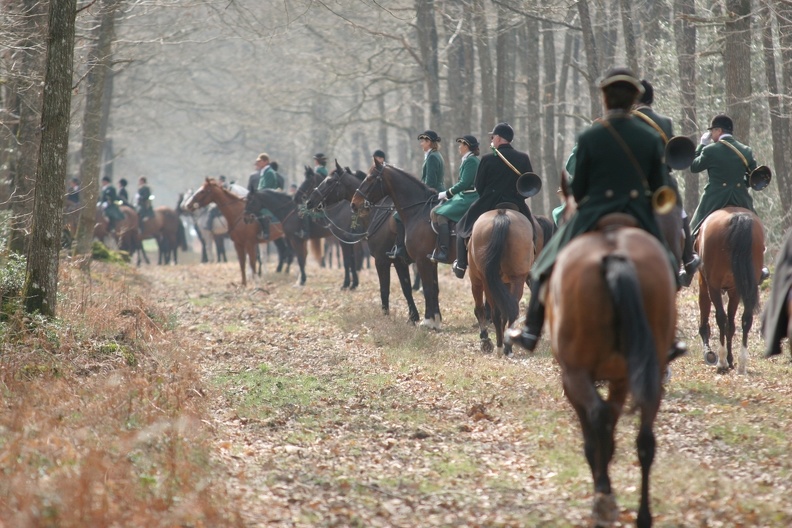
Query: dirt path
[[326, 413]]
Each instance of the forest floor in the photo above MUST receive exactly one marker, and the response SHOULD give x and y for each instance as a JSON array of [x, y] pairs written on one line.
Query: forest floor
[[330, 414]]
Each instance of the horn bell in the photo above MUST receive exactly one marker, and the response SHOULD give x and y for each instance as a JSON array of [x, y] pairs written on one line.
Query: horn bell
[[664, 199], [760, 178], [680, 152], [529, 184]]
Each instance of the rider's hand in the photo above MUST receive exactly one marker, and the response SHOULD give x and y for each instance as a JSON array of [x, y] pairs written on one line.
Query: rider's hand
[[442, 196], [706, 138]]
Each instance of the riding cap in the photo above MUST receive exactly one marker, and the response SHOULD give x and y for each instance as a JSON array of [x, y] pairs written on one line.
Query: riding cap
[[621, 75], [431, 135], [106, 178], [503, 130], [470, 141], [648, 96], [321, 158], [379, 154], [122, 182], [722, 121]]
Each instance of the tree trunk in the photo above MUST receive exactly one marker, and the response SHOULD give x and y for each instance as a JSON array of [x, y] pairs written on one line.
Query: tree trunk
[[562, 147], [784, 18], [629, 36], [778, 125], [427, 39], [460, 81], [592, 59], [737, 64], [488, 119], [652, 36], [99, 59], [505, 44], [41, 279], [551, 172], [31, 66], [685, 42]]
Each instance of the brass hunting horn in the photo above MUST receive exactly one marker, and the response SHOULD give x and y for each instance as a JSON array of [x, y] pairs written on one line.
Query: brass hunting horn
[[528, 184]]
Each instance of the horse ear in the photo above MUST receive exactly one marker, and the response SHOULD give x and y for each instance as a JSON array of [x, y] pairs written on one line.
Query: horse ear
[[338, 167], [377, 164]]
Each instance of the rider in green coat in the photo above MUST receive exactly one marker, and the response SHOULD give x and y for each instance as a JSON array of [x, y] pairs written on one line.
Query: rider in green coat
[[432, 175], [455, 202], [619, 164], [727, 162], [268, 180]]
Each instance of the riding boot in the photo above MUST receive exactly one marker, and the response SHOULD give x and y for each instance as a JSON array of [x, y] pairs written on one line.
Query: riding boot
[[443, 240], [398, 250], [678, 348], [528, 337], [264, 222], [765, 274], [690, 258], [461, 263]]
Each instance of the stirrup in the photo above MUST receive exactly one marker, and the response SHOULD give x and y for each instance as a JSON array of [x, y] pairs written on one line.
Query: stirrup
[[521, 337], [765, 275], [458, 271]]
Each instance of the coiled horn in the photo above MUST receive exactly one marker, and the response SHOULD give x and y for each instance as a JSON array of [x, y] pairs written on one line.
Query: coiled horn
[[664, 200], [529, 184], [679, 152]]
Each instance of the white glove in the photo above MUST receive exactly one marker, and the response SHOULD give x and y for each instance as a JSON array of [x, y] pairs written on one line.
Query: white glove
[[706, 138], [442, 196]]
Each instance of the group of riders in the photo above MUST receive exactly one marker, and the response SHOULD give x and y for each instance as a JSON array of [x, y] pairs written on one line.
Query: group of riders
[[111, 200], [616, 166]]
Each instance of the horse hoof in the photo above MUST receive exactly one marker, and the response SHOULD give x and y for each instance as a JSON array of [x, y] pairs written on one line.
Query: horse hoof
[[604, 510], [710, 357], [723, 370], [487, 346]]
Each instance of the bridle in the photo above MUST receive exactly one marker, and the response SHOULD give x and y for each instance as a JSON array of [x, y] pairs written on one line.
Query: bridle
[[378, 179]]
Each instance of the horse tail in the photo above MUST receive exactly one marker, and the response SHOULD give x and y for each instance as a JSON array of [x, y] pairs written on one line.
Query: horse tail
[[181, 235], [548, 227], [633, 329], [499, 293], [739, 237]]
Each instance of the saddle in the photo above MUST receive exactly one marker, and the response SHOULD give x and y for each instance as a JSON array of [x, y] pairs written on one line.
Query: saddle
[[615, 220]]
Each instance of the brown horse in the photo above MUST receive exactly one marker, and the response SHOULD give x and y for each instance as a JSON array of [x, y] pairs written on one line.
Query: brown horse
[[502, 251], [731, 245], [611, 316], [413, 200], [126, 235], [166, 228], [777, 315], [244, 236]]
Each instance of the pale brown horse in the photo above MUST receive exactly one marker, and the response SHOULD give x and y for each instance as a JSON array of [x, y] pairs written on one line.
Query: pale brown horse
[[731, 245], [244, 236], [611, 314], [501, 252], [166, 228]]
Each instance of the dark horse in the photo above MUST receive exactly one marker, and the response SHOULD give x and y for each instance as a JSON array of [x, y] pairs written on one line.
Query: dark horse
[[413, 201], [167, 229], [731, 245], [623, 272], [337, 219], [502, 251], [777, 316], [378, 229], [284, 208]]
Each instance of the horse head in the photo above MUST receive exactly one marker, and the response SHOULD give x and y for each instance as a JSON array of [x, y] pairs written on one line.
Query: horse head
[[370, 191]]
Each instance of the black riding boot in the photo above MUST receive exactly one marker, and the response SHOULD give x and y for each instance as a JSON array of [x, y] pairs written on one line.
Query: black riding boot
[[528, 337], [398, 250], [461, 263], [443, 242], [264, 222], [690, 258]]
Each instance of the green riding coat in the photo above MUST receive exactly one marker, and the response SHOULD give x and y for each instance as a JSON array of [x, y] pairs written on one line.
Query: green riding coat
[[725, 178], [462, 194], [431, 174]]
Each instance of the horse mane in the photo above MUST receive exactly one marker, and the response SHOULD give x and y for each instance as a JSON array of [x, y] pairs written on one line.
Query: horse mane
[[412, 179]]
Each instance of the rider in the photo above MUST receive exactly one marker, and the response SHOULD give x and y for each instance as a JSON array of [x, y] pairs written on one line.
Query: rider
[[143, 198], [379, 156], [268, 179], [431, 174], [496, 183], [320, 168], [123, 195], [459, 197], [619, 164], [664, 126], [727, 162], [109, 200]]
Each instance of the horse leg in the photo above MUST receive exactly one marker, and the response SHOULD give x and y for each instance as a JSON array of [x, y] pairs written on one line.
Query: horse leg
[[417, 280], [403, 273], [299, 247], [731, 327], [350, 268], [722, 322], [646, 451], [240, 251], [499, 323], [705, 306], [428, 272], [477, 290], [597, 421], [251, 257]]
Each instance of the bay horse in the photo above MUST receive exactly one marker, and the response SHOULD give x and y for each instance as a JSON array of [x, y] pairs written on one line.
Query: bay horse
[[611, 314], [126, 234], [336, 219], [413, 200], [379, 229], [777, 315], [501, 252], [731, 245], [166, 228], [243, 235]]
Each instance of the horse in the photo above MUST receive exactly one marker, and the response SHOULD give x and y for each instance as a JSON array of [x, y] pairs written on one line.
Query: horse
[[413, 200], [243, 235], [126, 235], [731, 245], [212, 240], [777, 315], [625, 341], [166, 228], [502, 251], [379, 229], [336, 219]]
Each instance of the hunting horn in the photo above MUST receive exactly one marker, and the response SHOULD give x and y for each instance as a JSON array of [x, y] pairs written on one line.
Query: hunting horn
[[679, 152], [528, 183], [664, 200], [760, 178]]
